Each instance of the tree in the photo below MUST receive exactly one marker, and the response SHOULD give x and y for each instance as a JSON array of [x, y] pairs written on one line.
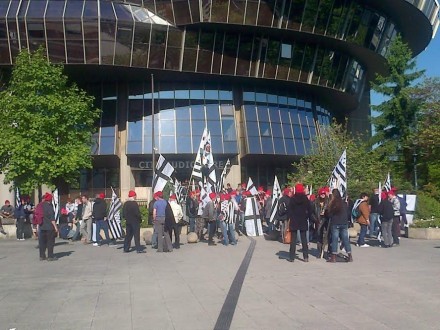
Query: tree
[[46, 126], [364, 167], [395, 124]]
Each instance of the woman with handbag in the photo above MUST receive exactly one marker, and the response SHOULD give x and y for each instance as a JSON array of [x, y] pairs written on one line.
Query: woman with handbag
[[299, 213]]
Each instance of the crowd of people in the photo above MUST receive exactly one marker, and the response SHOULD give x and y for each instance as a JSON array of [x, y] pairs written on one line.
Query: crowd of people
[[297, 217]]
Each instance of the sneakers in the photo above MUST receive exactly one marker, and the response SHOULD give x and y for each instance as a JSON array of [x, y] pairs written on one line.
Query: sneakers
[[96, 244], [364, 245]]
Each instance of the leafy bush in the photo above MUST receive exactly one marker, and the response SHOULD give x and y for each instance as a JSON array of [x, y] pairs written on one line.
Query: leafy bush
[[427, 207], [431, 223]]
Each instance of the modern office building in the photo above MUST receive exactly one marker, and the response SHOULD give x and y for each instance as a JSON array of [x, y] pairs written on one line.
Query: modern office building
[[262, 75]]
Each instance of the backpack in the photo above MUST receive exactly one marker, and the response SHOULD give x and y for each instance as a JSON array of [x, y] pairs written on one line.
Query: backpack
[[282, 209], [355, 212], [38, 215]]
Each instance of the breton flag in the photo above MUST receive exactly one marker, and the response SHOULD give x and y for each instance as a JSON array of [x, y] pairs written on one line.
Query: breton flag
[[251, 187], [387, 184], [209, 167], [56, 204], [252, 218], [162, 175], [225, 172], [338, 179], [179, 191], [197, 170], [276, 195], [17, 198], [114, 216]]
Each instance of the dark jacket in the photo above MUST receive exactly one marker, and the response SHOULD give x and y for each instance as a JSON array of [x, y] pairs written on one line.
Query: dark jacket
[[191, 205], [300, 210], [131, 212], [99, 209], [374, 203], [19, 212], [169, 218], [386, 210], [48, 216], [150, 211], [339, 218]]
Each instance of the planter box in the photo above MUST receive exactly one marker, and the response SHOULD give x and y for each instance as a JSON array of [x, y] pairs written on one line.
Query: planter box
[[424, 233]]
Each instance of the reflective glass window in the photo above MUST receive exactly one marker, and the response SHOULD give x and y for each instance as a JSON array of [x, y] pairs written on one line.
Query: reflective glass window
[[106, 10], [244, 55], [287, 131], [297, 131], [211, 95], [183, 127], [230, 53], [197, 112], [214, 127], [261, 97], [267, 145], [265, 129], [249, 96], [254, 145], [230, 147], [134, 147], [252, 128], [135, 131], [74, 9], [182, 113], [276, 130], [229, 129], [250, 113], [108, 131], [262, 113], [225, 95], [184, 144], [274, 114], [227, 110], [167, 144], [290, 147], [294, 117], [182, 94], [90, 8], [284, 114], [217, 143], [167, 127], [107, 145], [299, 147], [167, 114], [197, 128], [212, 112], [279, 146], [35, 10], [307, 146]]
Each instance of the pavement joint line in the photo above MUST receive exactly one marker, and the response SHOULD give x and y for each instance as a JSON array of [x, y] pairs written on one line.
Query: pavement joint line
[[226, 315]]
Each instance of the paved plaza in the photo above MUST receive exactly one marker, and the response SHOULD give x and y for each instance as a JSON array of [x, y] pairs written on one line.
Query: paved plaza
[[246, 286]]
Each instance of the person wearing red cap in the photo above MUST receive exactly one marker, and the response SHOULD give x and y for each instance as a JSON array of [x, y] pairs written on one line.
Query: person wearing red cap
[[132, 215], [99, 215], [48, 230], [6, 211], [300, 212], [386, 213], [191, 210], [322, 230], [283, 206], [209, 215], [159, 218], [396, 219]]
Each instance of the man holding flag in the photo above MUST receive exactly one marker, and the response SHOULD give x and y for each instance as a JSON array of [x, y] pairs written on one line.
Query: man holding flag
[[133, 218]]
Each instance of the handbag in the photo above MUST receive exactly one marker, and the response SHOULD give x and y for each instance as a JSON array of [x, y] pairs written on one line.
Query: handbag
[[287, 233]]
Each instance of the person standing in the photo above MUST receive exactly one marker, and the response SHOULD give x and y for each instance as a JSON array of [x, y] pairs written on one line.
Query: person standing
[[20, 217], [99, 214], [299, 212], [191, 210], [282, 212], [209, 215], [47, 230], [363, 219], [86, 224], [132, 215], [386, 217], [337, 212], [321, 205], [159, 209], [374, 212], [178, 217], [396, 218]]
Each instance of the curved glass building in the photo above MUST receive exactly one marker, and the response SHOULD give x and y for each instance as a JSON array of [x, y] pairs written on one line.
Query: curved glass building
[[262, 75]]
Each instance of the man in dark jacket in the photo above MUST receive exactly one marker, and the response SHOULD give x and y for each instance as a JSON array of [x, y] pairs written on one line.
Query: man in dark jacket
[[300, 212], [133, 218], [283, 206], [191, 210], [48, 230], [99, 215], [386, 212]]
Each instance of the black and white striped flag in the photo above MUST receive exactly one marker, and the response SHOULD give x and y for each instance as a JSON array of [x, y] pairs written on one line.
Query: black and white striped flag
[[338, 179], [17, 198], [179, 191], [56, 204], [252, 218], [208, 161], [221, 182], [162, 175], [387, 183], [251, 187], [197, 169], [114, 216], [276, 195]]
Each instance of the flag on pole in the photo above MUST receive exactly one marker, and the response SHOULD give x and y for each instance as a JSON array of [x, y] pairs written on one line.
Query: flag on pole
[[225, 172], [276, 195], [252, 218], [338, 178], [114, 216], [208, 163], [56, 204], [197, 169], [251, 187], [17, 198], [380, 191], [387, 184], [179, 190], [162, 175]]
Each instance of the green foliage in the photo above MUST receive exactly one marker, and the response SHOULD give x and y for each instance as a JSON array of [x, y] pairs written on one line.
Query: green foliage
[[144, 216], [364, 167], [431, 223], [396, 121], [427, 207], [46, 126]]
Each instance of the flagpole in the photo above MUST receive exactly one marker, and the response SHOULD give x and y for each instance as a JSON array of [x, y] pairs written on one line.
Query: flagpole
[[153, 147]]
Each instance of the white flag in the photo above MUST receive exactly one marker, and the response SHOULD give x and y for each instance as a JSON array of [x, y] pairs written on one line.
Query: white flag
[[114, 216], [208, 164], [56, 204], [387, 184], [225, 171], [197, 170], [338, 178], [252, 218], [276, 195], [251, 187]]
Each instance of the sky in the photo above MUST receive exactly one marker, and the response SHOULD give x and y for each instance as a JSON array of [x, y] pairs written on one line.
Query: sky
[[427, 60]]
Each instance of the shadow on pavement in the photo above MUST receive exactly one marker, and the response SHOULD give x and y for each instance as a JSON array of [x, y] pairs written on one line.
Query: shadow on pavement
[[63, 254], [60, 243]]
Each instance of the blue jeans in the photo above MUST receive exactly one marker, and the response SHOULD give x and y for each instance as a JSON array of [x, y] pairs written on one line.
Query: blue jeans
[[228, 229], [373, 223], [340, 231], [192, 225], [102, 224], [362, 234], [154, 239]]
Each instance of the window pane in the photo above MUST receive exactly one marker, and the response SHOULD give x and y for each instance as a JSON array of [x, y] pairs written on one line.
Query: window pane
[[262, 113], [212, 112], [254, 145], [287, 130], [300, 147], [107, 146], [252, 128], [230, 147], [229, 129], [279, 146], [167, 127], [214, 127], [184, 144], [276, 130], [183, 127], [290, 147], [265, 129], [167, 144], [267, 145], [134, 147], [182, 113], [197, 112], [250, 113]]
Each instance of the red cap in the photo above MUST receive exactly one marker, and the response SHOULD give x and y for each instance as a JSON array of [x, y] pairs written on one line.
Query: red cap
[[327, 189], [269, 192], [244, 185], [312, 197], [158, 194], [131, 193], [7, 201], [299, 188], [394, 189], [173, 196], [286, 191], [222, 197], [212, 196], [260, 188], [101, 195], [383, 195], [233, 193], [321, 191], [47, 197], [63, 211]]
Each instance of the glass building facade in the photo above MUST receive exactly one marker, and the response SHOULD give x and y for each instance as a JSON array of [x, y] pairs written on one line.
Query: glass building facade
[[261, 75]]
